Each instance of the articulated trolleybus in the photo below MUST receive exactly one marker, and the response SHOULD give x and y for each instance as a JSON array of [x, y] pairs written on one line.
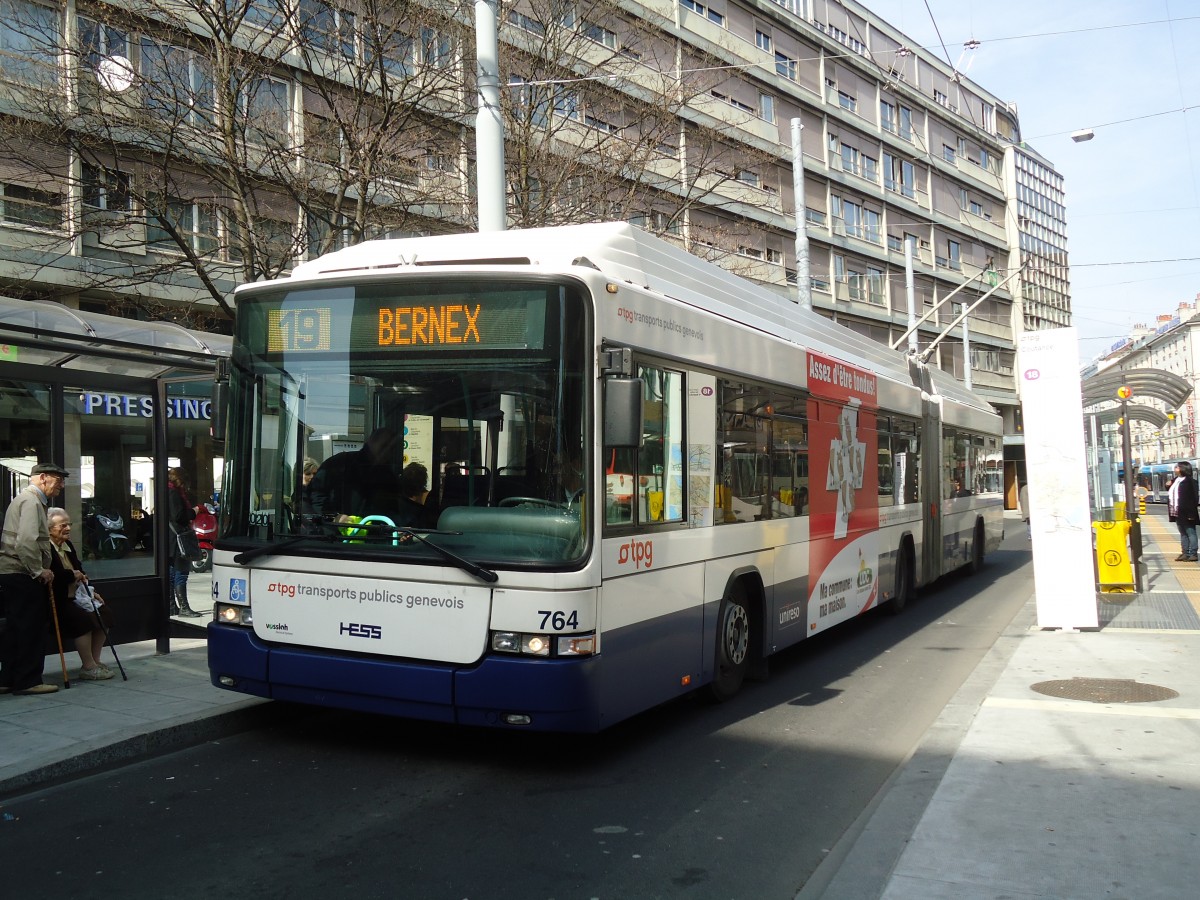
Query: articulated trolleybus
[[645, 476]]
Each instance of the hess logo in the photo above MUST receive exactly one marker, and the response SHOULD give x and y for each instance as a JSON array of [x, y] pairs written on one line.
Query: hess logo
[[355, 629]]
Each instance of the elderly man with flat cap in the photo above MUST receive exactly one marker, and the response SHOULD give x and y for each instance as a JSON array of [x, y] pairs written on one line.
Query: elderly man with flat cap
[[25, 577]]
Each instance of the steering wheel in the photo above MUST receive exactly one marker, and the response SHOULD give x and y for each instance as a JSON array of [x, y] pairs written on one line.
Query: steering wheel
[[536, 501]]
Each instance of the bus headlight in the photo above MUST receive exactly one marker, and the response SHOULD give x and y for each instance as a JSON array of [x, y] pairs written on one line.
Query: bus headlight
[[543, 644], [228, 614]]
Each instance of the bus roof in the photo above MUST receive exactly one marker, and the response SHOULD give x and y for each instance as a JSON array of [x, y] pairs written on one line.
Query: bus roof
[[624, 253]]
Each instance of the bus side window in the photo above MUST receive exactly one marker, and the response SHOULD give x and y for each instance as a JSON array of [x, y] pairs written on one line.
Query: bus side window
[[645, 485]]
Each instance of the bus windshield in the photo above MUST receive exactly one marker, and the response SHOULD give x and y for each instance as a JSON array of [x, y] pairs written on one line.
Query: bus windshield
[[417, 420]]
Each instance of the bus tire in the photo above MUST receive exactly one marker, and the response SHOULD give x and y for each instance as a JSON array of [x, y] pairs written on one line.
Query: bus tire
[[977, 548], [905, 580], [733, 645]]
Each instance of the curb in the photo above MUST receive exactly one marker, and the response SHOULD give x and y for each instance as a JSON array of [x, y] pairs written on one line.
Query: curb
[[153, 739], [860, 864]]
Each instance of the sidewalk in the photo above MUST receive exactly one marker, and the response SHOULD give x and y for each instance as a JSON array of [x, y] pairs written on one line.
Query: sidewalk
[[166, 702], [1066, 767]]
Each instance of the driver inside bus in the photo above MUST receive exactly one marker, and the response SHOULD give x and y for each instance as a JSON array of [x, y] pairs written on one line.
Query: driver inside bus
[[359, 482]]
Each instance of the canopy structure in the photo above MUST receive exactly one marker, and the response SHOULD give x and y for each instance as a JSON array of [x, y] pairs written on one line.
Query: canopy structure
[[50, 334], [1135, 411], [1166, 387]]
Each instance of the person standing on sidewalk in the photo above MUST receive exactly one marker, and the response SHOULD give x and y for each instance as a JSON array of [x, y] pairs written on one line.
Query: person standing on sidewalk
[[25, 578], [1183, 508], [180, 513]]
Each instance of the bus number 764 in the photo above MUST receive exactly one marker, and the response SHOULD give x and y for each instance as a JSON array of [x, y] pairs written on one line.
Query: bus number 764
[[558, 620]]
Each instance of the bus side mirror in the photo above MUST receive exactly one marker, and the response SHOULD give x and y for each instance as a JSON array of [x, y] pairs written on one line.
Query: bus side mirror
[[220, 396], [623, 411]]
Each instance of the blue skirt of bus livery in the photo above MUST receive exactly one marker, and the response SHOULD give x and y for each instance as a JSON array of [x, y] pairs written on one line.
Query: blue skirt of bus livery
[[558, 694]]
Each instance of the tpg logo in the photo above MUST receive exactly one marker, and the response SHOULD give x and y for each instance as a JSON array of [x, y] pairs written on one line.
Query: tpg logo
[[627, 314], [637, 552], [355, 629]]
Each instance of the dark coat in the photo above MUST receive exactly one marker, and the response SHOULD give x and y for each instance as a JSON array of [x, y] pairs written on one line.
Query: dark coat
[[1187, 509], [73, 622], [180, 514]]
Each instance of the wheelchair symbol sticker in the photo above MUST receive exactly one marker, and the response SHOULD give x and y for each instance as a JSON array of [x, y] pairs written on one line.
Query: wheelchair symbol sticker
[[238, 592]]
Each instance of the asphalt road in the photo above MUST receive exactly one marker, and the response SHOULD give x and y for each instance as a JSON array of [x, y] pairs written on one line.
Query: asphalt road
[[741, 800]]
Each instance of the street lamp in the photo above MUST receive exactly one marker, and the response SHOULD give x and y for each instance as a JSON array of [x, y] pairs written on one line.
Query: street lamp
[[1085, 134]]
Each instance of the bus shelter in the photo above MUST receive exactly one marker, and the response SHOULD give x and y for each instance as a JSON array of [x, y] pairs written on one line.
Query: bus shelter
[[116, 401], [1103, 407]]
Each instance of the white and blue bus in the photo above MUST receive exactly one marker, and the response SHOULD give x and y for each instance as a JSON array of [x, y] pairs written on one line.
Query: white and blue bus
[[645, 477]]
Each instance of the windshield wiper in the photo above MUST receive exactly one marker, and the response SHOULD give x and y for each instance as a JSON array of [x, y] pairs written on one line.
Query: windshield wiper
[[411, 533], [465, 564], [269, 549]]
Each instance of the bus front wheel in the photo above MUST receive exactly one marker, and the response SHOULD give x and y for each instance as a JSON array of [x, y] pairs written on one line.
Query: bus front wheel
[[733, 645]]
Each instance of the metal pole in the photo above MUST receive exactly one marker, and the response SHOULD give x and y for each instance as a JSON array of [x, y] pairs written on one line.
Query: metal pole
[[489, 127], [803, 279], [911, 293], [966, 356], [1135, 524]]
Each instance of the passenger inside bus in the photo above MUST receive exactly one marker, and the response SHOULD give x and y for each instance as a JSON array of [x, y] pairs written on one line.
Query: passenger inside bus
[[416, 508], [359, 482]]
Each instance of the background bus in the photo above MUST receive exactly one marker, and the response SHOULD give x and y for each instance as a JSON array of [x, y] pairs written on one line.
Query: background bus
[[650, 475]]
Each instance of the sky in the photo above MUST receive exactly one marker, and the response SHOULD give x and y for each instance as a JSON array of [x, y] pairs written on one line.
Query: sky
[[1128, 70]]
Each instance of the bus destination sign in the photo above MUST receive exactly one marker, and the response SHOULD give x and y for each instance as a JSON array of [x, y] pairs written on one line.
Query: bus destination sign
[[449, 323], [506, 320]]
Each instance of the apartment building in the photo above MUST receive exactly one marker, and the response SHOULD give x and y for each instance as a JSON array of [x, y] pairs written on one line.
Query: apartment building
[[159, 153]]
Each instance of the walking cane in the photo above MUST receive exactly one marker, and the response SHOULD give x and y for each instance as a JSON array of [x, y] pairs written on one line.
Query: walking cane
[[107, 638], [58, 637]]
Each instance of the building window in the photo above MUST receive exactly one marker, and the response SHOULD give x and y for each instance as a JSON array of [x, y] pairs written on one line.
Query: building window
[[707, 11], [953, 255], [29, 41], [437, 49], [786, 66], [105, 189], [327, 28], [20, 205], [766, 107], [948, 153], [99, 41], [266, 106], [898, 175], [192, 223], [178, 84], [845, 101], [599, 34], [762, 41]]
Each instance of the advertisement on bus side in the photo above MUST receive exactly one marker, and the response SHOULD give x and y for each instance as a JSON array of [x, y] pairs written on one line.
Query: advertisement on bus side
[[844, 513]]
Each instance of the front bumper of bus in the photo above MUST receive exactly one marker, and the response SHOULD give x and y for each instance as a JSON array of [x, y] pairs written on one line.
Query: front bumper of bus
[[498, 691]]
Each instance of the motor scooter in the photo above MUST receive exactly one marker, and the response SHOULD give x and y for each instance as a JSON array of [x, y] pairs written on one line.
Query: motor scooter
[[104, 532], [205, 526]]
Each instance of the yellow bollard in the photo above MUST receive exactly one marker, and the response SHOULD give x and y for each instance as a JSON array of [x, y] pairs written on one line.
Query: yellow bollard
[[1114, 569]]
